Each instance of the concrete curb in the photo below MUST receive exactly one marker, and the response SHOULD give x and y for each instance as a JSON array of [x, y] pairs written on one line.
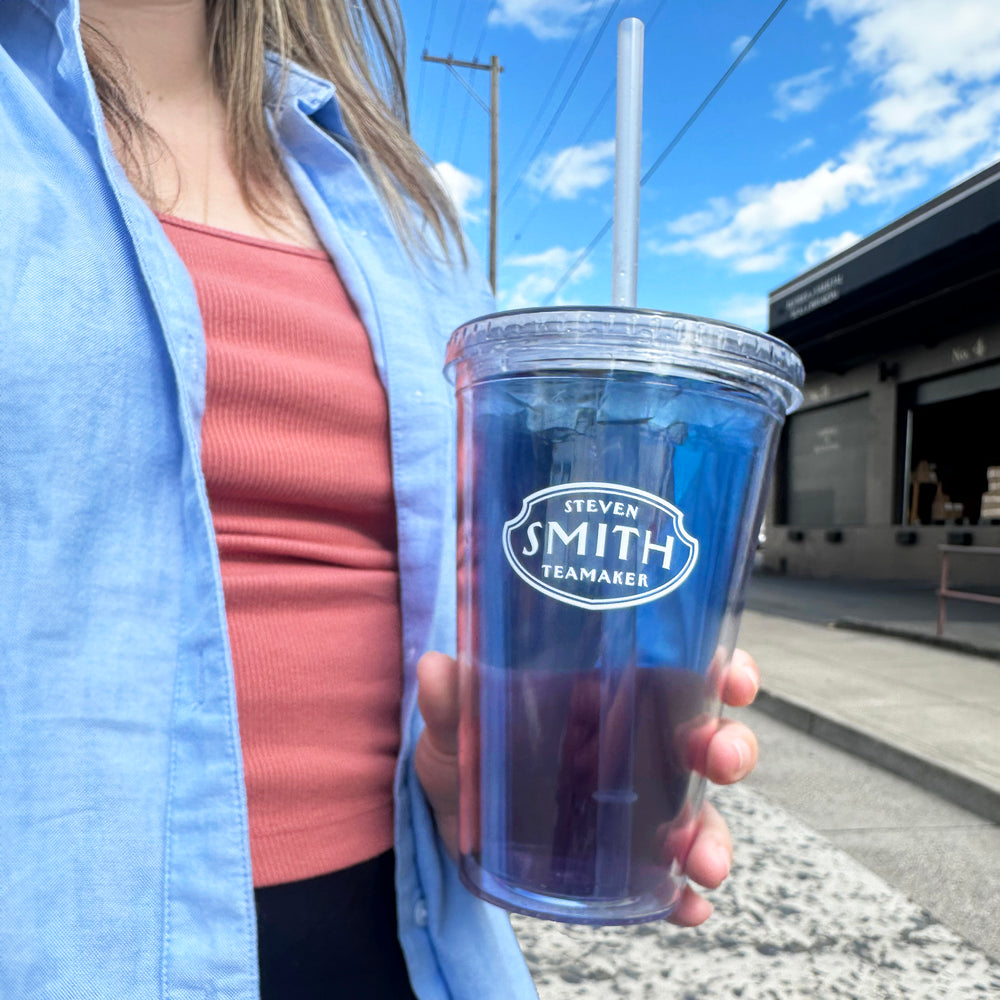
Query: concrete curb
[[958, 788], [941, 641]]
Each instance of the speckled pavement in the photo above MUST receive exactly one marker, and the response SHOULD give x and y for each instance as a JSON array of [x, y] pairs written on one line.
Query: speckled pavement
[[798, 919]]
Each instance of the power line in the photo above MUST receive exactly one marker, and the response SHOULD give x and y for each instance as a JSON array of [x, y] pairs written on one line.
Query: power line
[[562, 104], [423, 65], [594, 115], [544, 103], [455, 27], [609, 92], [447, 81], [669, 148], [468, 97], [656, 13], [605, 97]]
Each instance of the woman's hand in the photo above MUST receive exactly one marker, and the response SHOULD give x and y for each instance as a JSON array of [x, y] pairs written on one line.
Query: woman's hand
[[724, 753], [728, 755], [436, 756]]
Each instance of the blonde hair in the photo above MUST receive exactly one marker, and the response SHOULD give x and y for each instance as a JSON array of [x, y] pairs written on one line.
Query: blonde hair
[[359, 45]]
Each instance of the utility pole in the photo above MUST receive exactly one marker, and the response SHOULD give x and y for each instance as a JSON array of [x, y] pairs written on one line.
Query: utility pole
[[494, 112]]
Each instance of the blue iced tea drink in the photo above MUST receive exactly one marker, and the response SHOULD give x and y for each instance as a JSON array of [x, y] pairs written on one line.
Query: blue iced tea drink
[[612, 467]]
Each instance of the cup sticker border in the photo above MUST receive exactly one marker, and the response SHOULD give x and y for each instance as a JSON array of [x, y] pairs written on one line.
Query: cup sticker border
[[614, 489]]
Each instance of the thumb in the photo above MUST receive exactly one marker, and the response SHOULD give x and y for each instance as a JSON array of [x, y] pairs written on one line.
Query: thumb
[[437, 699], [435, 759]]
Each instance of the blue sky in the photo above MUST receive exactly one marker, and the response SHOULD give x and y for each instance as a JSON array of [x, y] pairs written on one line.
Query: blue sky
[[845, 115]]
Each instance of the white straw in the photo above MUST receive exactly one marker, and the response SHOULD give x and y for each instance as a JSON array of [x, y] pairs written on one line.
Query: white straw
[[628, 155]]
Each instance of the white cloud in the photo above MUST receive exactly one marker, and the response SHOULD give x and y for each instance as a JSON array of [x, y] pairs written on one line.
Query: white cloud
[[934, 72], [745, 310], [543, 18], [930, 63], [801, 94], [697, 222], [801, 146], [949, 138], [819, 250], [546, 269], [908, 43], [986, 160], [759, 263], [554, 257], [737, 45], [571, 171], [462, 188], [757, 228], [911, 111]]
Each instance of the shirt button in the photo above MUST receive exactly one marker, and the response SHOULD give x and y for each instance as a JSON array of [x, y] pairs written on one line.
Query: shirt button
[[420, 913]]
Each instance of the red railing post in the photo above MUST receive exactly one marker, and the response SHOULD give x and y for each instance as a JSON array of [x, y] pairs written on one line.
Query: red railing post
[[941, 593]]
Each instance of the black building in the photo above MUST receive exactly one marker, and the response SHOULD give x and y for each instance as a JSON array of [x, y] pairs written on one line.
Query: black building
[[897, 446]]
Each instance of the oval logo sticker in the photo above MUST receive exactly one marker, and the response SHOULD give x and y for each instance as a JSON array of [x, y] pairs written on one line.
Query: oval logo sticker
[[599, 545]]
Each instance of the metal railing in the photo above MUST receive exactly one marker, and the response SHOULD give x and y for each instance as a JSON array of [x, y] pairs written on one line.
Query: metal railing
[[945, 593]]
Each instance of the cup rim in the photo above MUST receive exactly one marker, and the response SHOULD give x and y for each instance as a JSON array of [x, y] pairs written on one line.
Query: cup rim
[[626, 310], [492, 344]]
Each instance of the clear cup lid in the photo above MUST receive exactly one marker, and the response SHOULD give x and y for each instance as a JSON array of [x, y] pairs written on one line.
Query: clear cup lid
[[612, 339]]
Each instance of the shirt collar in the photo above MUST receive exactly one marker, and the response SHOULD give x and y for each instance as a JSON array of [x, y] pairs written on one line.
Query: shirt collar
[[56, 7], [309, 94]]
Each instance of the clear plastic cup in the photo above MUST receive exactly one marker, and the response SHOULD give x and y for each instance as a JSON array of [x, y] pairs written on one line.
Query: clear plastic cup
[[612, 466]]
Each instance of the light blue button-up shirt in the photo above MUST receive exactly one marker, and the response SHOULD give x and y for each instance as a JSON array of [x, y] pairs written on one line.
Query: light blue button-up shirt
[[124, 863]]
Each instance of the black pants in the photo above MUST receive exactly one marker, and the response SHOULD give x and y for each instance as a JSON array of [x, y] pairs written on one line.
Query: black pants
[[332, 937]]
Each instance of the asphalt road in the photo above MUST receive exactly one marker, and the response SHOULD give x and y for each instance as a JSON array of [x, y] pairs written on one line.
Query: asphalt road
[[848, 883]]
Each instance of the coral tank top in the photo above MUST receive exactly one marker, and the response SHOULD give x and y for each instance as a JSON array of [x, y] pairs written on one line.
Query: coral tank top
[[295, 451]]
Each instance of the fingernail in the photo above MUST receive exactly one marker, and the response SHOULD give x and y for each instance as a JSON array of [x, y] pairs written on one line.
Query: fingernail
[[751, 675], [725, 860], [742, 753]]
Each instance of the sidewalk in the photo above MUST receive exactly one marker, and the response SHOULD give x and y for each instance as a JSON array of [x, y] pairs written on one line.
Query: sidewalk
[[922, 710], [898, 608]]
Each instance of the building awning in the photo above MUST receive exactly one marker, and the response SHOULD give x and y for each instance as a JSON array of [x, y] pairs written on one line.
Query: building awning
[[930, 275]]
